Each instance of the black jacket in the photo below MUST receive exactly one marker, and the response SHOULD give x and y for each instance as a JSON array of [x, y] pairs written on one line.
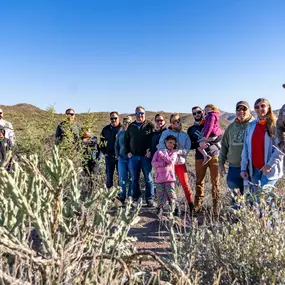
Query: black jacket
[[65, 129], [195, 133], [108, 138], [139, 139], [155, 139]]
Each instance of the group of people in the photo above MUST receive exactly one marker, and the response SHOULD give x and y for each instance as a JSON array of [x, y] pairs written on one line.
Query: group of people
[[252, 148]]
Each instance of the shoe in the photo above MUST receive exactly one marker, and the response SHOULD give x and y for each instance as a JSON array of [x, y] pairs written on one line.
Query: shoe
[[159, 212], [191, 207], [150, 203]]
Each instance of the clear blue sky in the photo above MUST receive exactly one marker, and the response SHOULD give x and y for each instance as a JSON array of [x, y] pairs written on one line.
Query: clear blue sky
[[165, 55]]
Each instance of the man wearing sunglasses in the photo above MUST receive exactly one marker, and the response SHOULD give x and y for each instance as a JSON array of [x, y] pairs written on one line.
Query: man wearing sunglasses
[[138, 139], [9, 131], [107, 146], [67, 129], [232, 145], [195, 133]]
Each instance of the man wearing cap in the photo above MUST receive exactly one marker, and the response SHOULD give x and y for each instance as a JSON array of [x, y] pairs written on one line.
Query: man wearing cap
[[9, 131], [232, 145]]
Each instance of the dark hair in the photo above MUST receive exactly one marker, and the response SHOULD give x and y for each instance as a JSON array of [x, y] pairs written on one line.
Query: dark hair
[[139, 107], [270, 118], [114, 112], [171, 137], [196, 107], [68, 110], [158, 115]]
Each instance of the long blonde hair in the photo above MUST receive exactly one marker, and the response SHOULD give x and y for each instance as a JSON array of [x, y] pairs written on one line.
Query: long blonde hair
[[213, 108], [270, 118]]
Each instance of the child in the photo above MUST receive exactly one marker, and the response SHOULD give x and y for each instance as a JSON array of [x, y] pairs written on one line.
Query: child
[[211, 130], [163, 161]]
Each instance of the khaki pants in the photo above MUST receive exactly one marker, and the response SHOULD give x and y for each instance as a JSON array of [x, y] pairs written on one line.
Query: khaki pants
[[200, 177]]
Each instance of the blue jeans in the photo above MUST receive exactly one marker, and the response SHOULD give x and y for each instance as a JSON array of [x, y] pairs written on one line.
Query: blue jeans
[[136, 164], [258, 176], [124, 177], [234, 180], [111, 164]]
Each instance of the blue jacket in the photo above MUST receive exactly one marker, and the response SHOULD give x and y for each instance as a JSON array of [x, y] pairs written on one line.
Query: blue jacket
[[273, 157]]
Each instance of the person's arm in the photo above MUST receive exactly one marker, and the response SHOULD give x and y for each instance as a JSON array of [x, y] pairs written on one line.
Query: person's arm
[[209, 125], [11, 135], [127, 141], [276, 156], [224, 148], [156, 162], [161, 144], [103, 142], [245, 155], [187, 144], [117, 145]]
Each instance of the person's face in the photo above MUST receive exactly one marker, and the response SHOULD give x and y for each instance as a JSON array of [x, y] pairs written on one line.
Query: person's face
[[175, 122], [170, 144], [261, 109], [70, 115], [197, 114], [159, 122], [125, 124], [140, 115], [114, 118], [207, 110], [242, 112]]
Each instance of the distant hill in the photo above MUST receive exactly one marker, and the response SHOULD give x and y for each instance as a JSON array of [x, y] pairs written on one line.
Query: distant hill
[[21, 114]]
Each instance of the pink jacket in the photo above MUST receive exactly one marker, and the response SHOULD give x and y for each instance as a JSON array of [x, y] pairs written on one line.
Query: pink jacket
[[211, 126], [163, 161]]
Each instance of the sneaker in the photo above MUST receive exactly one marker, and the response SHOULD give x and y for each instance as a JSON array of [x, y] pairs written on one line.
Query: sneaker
[[150, 203]]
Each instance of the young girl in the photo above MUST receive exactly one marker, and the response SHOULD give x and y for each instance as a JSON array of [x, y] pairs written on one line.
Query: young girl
[[211, 130], [163, 161]]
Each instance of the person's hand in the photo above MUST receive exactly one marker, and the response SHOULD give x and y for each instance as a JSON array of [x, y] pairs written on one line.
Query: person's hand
[[148, 153], [130, 155], [265, 169], [222, 170], [244, 174], [203, 145]]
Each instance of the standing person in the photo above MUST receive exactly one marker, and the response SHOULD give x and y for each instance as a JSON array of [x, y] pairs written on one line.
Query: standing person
[[261, 161], [232, 145], [195, 133], [183, 143], [138, 140], [67, 130], [160, 127], [5, 146], [211, 130], [107, 146], [9, 131], [281, 128], [164, 162], [123, 161]]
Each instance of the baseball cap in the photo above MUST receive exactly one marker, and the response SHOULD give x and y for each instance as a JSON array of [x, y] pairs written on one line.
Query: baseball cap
[[242, 103]]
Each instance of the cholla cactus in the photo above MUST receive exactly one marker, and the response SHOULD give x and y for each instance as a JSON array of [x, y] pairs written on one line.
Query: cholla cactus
[[78, 240]]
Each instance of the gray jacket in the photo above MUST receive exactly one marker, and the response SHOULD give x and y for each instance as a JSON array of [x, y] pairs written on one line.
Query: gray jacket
[[183, 141], [120, 151], [273, 157]]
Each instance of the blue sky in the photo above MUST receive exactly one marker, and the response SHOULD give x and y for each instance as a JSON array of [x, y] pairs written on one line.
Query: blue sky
[[105, 55]]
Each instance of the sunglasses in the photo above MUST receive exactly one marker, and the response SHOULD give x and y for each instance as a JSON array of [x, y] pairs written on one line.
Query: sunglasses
[[198, 112], [125, 123], [261, 106], [241, 108], [70, 114], [139, 113], [114, 118]]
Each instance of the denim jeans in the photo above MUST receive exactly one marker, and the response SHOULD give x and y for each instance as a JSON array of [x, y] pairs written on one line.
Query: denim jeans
[[111, 164], [136, 164], [234, 180], [258, 176], [124, 177]]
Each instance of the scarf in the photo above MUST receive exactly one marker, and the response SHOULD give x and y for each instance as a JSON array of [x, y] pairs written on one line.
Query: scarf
[[200, 123]]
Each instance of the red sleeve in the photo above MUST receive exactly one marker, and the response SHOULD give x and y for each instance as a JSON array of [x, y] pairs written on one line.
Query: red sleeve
[[209, 125]]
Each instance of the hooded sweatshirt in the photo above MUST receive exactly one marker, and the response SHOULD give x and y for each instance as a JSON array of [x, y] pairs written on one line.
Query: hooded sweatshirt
[[232, 143]]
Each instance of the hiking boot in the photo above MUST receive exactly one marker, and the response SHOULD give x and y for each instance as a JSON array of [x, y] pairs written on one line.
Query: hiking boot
[[150, 203]]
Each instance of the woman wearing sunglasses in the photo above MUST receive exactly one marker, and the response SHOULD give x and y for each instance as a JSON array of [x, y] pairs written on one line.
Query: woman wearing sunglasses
[[262, 162]]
